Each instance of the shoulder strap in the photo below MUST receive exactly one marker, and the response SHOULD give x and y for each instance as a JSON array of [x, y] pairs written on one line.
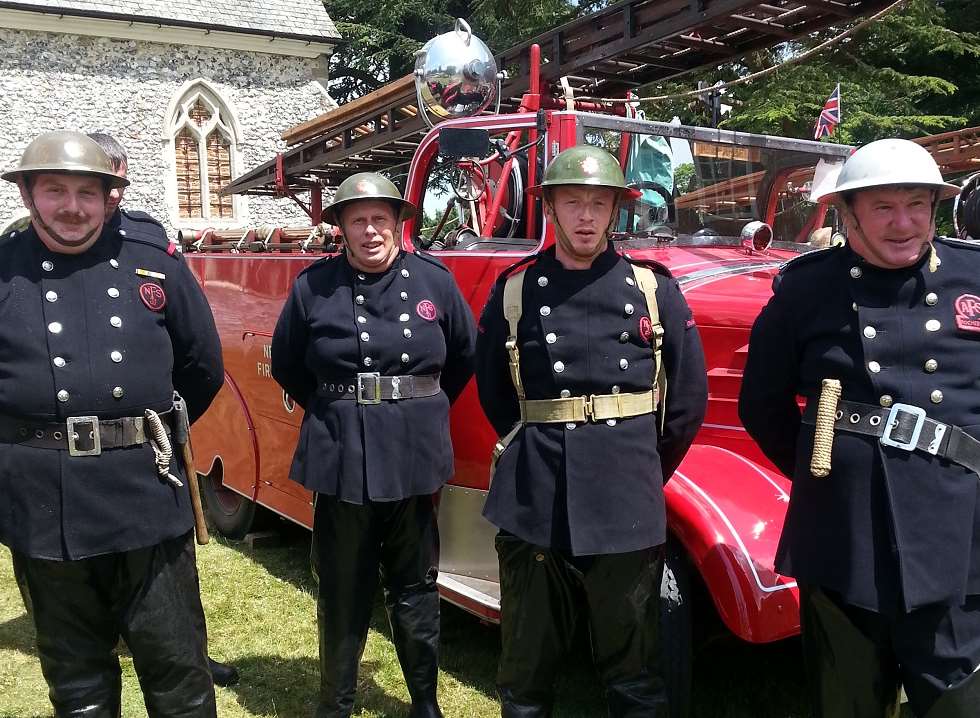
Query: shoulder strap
[[646, 280], [513, 308]]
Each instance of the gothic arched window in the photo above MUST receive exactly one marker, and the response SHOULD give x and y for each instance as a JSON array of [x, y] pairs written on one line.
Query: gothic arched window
[[204, 142]]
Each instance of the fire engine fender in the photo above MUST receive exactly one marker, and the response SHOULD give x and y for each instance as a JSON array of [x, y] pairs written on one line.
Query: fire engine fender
[[225, 443], [726, 512]]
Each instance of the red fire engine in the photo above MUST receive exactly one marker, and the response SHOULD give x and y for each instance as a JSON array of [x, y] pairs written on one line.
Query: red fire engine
[[722, 210]]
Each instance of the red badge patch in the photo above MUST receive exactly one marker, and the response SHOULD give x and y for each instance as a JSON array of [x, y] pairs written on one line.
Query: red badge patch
[[426, 310], [153, 296], [968, 312], [646, 329]]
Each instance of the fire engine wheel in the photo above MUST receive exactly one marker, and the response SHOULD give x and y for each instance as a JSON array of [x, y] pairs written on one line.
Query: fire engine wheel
[[676, 637], [230, 513]]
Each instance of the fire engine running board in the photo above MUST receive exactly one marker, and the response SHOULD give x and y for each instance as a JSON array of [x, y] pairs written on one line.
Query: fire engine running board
[[468, 593]]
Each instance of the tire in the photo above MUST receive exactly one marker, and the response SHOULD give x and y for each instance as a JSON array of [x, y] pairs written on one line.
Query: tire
[[676, 634], [231, 514]]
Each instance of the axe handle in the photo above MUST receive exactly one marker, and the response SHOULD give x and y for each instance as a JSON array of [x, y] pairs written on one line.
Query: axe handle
[[200, 525]]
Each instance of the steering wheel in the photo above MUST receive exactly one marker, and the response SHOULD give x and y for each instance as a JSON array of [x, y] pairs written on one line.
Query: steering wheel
[[663, 192]]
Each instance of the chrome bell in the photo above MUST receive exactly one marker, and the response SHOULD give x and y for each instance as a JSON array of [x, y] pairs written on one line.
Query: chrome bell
[[455, 75]]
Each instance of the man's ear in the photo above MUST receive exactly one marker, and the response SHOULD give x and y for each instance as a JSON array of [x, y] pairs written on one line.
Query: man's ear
[[25, 193]]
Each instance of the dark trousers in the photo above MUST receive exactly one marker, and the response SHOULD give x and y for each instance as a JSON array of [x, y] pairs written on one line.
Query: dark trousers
[[352, 545], [857, 660], [543, 593], [151, 598]]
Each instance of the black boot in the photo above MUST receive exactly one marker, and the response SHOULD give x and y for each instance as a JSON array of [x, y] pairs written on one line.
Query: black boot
[[223, 674], [414, 621]]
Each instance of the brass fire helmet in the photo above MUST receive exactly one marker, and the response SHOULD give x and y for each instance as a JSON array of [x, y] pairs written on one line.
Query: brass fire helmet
[[366, 185], [65, 152]]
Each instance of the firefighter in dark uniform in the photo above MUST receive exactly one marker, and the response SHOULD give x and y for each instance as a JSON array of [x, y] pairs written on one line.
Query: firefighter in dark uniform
[[374, 344], [590, 367], [882, 339], [99, 328]]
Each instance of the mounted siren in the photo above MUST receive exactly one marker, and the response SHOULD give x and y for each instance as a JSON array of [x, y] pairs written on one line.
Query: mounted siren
[[455, 75]]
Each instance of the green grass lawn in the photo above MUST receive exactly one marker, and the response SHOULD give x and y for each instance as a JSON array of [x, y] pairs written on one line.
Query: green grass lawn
[[261, 617]]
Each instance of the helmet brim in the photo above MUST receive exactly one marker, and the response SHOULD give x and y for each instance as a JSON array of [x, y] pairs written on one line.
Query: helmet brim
[[944, 190], [114, 181], [628, 193], [330, 212]]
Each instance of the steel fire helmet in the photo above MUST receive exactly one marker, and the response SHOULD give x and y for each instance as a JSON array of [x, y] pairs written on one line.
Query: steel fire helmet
[[890, 163], [366, 185], [587, 166], [66, 152]]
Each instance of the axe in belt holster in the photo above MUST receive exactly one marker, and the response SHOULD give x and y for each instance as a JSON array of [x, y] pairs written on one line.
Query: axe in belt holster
[[823, 434], [182, 435]]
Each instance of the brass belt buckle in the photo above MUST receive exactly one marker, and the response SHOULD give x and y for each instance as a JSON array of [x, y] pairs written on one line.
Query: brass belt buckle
[[93, 435], [590, 408], [370, 381]]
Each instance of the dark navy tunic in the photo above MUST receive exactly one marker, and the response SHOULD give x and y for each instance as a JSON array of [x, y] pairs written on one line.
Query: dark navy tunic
[[591, 488], [889, 529], [77, 339], [338, 322]]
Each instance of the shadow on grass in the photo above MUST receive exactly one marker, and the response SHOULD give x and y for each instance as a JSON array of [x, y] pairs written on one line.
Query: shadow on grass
[[272, 685], [17, 634]]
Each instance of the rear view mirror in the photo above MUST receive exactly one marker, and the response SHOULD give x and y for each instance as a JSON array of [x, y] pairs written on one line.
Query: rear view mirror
[[459, 142]]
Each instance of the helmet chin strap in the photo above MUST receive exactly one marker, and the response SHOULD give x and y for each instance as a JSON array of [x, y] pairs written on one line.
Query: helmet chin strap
[[53, 233]]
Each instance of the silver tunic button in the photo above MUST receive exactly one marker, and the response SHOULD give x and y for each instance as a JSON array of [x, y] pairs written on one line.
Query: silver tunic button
[[47, 265], [58, 362], [361, 277], [933, 325], [116, 356], [115, 265], [874, 367], [407, 332], [368, 361], [856, 272], [886, 400], [405, 358], [559, 367], [624, 337], [931, 365], [404, 296], [569, 426], [405, 273], [62, 395], [542, 281], [615, 389], [630, 281], [936, 396], [118, 392], [112, 292], [624, 364], [932, 299], [122, 232], [51, 296], [565, 393], [361, 319], [551, 337], [545, 311], [870, 332], [628, 309], [115, 321], [610, 422], [54, 327], [854, 306], [403, 317], [359, 299], [365, 336]]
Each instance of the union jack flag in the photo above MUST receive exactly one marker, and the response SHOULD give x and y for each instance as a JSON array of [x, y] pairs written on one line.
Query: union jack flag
[[829, 115]]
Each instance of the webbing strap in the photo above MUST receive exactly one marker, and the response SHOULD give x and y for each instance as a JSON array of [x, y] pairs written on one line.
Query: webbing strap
[[646, 280], [513, 307]]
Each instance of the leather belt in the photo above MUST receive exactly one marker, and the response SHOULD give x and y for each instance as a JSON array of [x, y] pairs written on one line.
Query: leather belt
[[905, 427], [592, 408], [372, 388], [78, 435]]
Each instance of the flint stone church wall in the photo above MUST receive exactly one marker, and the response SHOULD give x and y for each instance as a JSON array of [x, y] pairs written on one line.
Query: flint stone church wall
[[54, 81]]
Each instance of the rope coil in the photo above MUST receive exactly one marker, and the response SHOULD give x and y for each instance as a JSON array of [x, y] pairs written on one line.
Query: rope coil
[[162, 450], [823, 435]]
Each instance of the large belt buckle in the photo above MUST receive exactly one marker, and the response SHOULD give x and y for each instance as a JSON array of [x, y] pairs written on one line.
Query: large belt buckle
[[892, 421], [94, 436], [369, 381]]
